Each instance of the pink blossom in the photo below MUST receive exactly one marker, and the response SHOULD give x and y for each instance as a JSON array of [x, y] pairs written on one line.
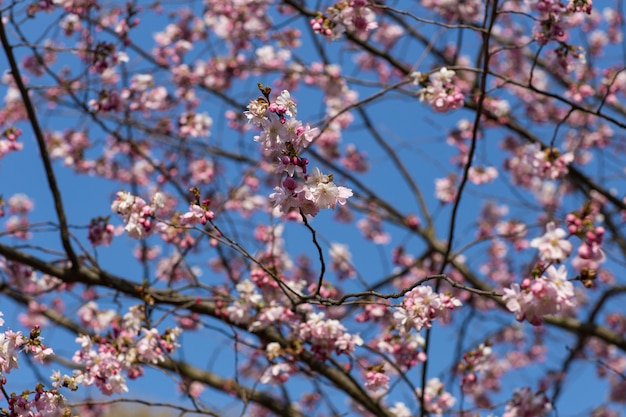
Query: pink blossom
[[242, 311], [136, 213], [285, 101], [436, 399], [277, 374], [526, 403], [446, 189], [590, 255], [286, 137], [372, 229], [90, 315], [175, 269], [20, 204], [355, 160], [552, 247], [356, 17], [341, 260], [194, 388], [195, 125], [400, 410], [10, 343], [376, 381], [148, 347], [482, 175], [388, 34], [441, 91], [549, 294], [196, 214], [580, 6], [323, 192], [326, 336], [421, 306], [101, 232], [17, 226], [468, 11], [41, 352]]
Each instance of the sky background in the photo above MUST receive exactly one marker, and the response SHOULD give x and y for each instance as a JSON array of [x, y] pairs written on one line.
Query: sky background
[[410, 127]]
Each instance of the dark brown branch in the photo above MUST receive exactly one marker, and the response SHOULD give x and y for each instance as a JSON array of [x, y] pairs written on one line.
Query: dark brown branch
[[101, 278], [41, 143]]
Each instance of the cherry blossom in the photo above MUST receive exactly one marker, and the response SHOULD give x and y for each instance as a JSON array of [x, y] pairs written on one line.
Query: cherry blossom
[[440, 91], [438, 209], [421, 306], [480, 175], [436, 399], [445, 189], [136, 213], [341, 260], [287, 138], [552, 247], [327, 336], [376, 381], [277, 374], [525, 402], [550, 293]]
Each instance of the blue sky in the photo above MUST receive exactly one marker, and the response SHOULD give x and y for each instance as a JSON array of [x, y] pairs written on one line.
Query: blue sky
[[408, 126]]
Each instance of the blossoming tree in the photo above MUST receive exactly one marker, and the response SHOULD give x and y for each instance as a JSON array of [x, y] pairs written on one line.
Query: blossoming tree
[[390, 208]]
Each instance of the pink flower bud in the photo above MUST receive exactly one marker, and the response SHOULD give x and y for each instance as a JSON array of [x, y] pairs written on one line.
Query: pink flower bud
[[584, 251]]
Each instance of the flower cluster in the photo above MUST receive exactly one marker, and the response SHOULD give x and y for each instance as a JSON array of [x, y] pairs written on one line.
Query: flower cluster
[[198, 213], [371, 227], [354, 16], [17, 224], [341, 260], [317, 192], [136, 213], [446, 189], [8, 141], [376, 381], [174, 268], [421, 306], [552, 21], [548, 294], [439, 90], [406, 349], [195, 125], [482, 175], [39, 402], [580, 6], [465, 11], [284, 138], [327, 335], [70, 147], [144, 95], [474, 361], [107, 360], [242, 310], [101, 232], [436, 400], [527, 403], [590, 254], [277, 373], [532, 161], [11, 343], [551, 164], [46, 403]]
